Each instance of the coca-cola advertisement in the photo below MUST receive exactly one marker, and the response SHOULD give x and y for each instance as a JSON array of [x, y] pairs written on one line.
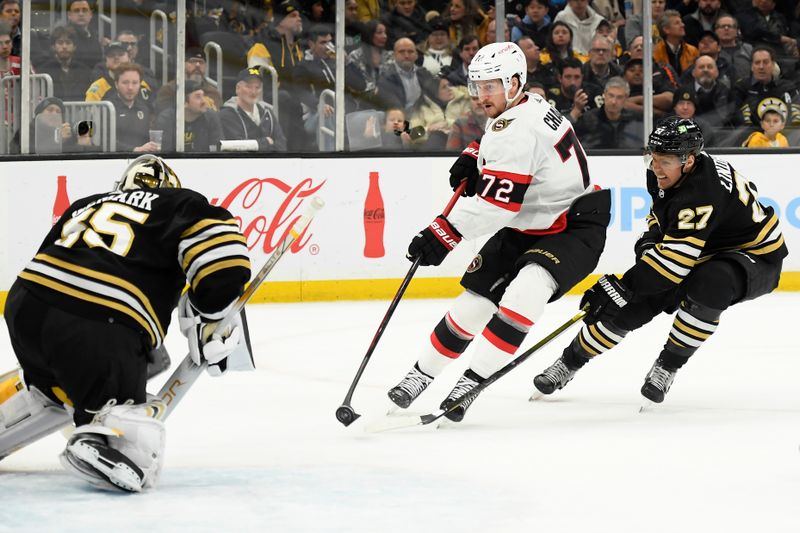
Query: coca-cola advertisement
[[374, 219], [263, 226]]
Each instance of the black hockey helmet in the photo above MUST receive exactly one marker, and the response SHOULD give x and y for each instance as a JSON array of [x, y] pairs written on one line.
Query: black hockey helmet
[[148, 172], [675, 135]]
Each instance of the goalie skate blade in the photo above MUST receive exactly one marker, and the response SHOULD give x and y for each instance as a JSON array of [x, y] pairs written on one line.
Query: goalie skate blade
[[646, 406], [392, 422], [537, 395]]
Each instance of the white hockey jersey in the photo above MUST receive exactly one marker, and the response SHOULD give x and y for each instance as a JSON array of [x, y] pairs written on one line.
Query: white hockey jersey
[[532, 168]]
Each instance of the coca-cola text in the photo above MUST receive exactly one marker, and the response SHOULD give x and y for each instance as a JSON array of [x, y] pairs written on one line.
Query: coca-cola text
[[246, 197]]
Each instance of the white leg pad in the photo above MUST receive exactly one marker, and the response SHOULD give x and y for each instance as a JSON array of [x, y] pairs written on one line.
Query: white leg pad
[[142, 436], [26, 417]]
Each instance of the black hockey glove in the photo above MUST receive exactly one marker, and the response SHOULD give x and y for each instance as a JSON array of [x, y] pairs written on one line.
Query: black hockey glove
[[466, 168], [605, 299], [645, 241], [434, 242]]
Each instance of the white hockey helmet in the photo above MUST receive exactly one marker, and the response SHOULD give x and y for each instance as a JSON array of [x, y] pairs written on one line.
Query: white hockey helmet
[[148, 172], [498, 61]]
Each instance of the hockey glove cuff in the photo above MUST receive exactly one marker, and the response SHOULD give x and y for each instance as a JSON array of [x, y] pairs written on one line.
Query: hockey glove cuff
[[205, 342], [434, 242], [605, 299], [466, 168], [645, 241]]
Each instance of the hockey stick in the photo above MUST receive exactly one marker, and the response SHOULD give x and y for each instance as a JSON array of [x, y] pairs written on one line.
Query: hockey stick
[[182, 379], [403, 421], [345, 412]]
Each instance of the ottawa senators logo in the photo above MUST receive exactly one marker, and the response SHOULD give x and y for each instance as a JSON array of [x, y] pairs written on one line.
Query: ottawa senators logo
[[475, 264], [502, 124]]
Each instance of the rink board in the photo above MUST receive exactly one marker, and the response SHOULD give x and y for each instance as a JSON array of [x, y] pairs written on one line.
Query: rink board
[[328, 262]]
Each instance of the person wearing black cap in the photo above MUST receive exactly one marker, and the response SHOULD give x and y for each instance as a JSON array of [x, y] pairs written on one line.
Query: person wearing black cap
[[195, 70], [709, 45], [50, 134], [702, 20], [245, 117], [437, 51], [276, 45], [202, 129], [116, 55], [684, 105], [130, 40], [407, 19]]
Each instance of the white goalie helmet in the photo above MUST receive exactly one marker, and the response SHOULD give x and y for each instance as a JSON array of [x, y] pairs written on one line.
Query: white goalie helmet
[[500, 61], [148, 172]]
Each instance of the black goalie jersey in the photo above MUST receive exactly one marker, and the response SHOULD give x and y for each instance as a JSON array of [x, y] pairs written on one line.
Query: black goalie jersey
[[127, 256], [713, 210]]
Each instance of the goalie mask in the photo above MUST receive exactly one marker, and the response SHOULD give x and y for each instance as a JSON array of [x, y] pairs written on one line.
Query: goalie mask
[[498, 61], [148, 172]]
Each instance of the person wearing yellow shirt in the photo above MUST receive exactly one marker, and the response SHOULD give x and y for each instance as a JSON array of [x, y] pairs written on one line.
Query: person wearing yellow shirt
[[116, 54], [772, 123]]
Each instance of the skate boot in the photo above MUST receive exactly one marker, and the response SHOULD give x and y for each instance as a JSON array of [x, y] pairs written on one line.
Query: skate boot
[[465, 384], [555, 377], [411, 386], [91, 458], [657, 383]]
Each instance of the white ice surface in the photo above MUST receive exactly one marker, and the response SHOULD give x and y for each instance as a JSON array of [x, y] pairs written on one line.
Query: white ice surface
[[263, 452]]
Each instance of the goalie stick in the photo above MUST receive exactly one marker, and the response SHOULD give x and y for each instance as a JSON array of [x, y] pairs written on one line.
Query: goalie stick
[[404, 421], [345, 412], [182, 379]]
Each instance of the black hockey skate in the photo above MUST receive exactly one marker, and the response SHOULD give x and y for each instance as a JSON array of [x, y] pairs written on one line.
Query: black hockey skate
[[410, 387], [465, 384], [92, 459], [555, 377], [658, 381]]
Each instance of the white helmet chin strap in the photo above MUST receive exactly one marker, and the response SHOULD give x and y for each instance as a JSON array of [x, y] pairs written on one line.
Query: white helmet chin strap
[[520, 91]]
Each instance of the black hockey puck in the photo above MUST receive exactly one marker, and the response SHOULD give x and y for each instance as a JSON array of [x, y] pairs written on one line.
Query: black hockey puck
[[346, 415]]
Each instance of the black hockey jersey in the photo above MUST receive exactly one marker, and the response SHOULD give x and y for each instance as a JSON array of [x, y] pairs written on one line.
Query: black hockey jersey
[[127, 256], [714, 209]]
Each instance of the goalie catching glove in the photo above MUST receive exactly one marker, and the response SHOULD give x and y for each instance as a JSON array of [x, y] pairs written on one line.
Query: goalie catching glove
[[222, 350]]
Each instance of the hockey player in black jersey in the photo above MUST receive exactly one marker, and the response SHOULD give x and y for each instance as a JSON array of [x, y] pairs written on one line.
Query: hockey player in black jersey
[[710, 244], [97, 298]]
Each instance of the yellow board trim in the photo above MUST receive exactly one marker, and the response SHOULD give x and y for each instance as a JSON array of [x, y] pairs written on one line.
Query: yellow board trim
[[385, 289]]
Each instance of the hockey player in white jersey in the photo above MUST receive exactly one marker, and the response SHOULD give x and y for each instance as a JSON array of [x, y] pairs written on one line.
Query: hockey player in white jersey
[[527, 184]]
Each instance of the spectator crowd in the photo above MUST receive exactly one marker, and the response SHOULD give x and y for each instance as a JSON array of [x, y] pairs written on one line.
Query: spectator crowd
[[729, 64]]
